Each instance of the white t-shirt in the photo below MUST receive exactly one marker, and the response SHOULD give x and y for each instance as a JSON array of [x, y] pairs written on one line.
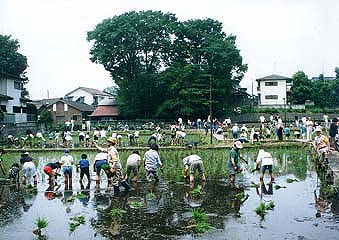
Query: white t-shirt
[[265, 158], [66, 160], [133, 159], [191, 158]]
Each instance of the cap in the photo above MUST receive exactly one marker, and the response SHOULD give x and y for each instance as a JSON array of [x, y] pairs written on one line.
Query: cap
[[66, 150]]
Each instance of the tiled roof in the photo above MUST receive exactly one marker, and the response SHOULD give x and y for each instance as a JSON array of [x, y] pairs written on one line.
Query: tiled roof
[[83, 107], [91, 91], [273, 77], [5, 97], [105, 111]]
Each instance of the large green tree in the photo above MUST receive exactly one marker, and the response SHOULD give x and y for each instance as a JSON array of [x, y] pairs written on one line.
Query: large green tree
[[166, 67], [11, 61], [205, 61], [301, 88], [133, 47]]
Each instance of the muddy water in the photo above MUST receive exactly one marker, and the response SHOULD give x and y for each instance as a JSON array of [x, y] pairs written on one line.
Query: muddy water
[[164, 211]]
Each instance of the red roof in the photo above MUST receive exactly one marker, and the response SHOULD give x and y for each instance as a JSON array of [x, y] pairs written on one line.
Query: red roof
[[102, 111]]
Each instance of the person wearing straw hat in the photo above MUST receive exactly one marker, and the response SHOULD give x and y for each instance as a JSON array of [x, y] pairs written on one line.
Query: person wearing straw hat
[[321, 143], [115, 165], [233, 161]]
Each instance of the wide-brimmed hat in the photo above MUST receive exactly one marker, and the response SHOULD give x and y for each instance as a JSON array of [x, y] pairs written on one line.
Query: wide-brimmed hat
[[112, 140], [318, 129], [238, 145]]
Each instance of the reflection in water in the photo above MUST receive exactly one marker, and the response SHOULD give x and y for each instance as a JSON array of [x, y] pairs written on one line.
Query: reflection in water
[[11, 200]]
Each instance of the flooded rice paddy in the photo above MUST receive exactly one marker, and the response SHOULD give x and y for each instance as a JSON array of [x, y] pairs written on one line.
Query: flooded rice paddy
[[165, 210]]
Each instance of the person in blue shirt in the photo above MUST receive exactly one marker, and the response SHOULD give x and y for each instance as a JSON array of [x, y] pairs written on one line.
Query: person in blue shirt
[[287, 132], [84, 168]]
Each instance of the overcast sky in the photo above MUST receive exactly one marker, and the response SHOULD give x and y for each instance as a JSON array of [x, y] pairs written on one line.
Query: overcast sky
[[273, 36]]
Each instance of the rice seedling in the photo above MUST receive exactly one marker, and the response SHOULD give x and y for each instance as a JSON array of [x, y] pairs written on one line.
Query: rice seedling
[[116, 213], [76, 221], [261, 210], [41, 222], [290, 180], [197, 191], [240, 195], [136, 204], [150, 195], [80, 196], [198, 216], [202, 227], [73, 226], [276, 187], [270, 205], [80, 219]]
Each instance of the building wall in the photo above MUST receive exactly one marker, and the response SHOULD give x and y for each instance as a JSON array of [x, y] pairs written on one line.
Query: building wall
[[7, 88], [61, 116], [272, 92]]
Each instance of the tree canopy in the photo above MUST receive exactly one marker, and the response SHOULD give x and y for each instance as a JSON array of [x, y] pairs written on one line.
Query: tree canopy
[[11, 61], [164, 67], [324, 93]]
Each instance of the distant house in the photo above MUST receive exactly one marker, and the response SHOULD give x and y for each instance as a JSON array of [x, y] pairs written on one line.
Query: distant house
[[89, 96], [273, 89], [63, 110], [106, 110], [12, 101], [324, 79]]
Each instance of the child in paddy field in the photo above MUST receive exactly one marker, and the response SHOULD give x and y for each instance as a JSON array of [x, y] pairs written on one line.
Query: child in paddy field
[[84, 168], [67, 168], [2, 152], [52, 170], [13, 173], [101, 162]]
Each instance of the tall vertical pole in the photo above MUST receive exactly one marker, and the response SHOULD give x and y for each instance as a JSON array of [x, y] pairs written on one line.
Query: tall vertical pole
[[211, 108]]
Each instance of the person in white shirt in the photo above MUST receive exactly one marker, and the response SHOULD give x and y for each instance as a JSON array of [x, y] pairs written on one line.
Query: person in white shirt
[[193, 163], [132, 165], [265, 158], [67, 162]]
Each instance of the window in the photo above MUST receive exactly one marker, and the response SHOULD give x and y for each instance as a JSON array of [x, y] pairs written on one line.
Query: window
[[271, 83], [54, 107], [3, 108], [65, 107], [16, 109], [18, 85], [271, 97], [60, 118]]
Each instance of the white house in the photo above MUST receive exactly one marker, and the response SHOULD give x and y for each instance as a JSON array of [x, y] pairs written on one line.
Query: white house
[[273, 89], [11, 101], [89, 96]]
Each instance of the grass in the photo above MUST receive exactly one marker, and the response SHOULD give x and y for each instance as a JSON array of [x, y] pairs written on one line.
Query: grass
[[31, 189], [41, 222], [270, 205], [80, 196], [202, 227]]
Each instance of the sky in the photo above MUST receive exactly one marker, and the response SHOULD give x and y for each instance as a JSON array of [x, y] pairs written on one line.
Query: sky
[[273, 36]]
